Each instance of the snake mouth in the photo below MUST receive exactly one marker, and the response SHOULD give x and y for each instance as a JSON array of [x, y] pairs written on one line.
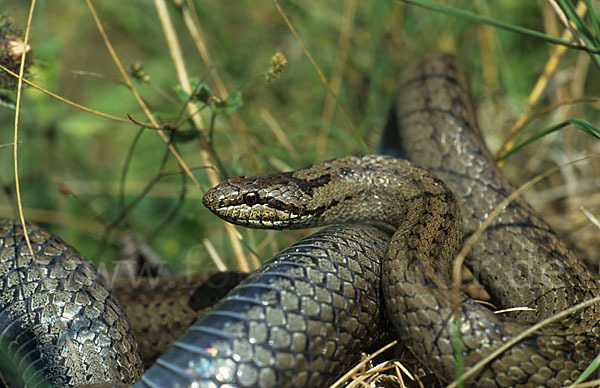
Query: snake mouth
[[258, 216]]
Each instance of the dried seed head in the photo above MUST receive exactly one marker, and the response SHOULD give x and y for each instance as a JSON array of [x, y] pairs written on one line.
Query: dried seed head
[[12, 48], [277, 65], [138, 71]]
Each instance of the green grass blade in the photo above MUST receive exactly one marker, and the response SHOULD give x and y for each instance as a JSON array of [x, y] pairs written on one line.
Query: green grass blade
[[571, 15], [594, 20], [5, 102], [458, 351], [473, 17], [582, 124], [583, 32], [587, 372]]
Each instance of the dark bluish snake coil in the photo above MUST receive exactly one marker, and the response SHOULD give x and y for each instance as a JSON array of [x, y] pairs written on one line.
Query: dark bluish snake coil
[[306, 315]]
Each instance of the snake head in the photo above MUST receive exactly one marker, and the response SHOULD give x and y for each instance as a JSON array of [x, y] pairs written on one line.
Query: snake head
[[265, 201]]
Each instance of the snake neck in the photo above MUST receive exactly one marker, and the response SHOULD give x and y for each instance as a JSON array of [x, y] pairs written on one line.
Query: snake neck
[[426, 244]]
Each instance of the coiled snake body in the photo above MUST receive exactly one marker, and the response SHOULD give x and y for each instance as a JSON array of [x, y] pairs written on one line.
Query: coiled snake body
[[307, 314], [519, 259]]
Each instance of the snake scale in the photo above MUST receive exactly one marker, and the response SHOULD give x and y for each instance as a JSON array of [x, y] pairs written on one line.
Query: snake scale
[[307, 314]]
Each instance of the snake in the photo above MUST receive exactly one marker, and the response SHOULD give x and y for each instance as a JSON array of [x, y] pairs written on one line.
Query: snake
[[62, 323], [382, 269], [519, 259]]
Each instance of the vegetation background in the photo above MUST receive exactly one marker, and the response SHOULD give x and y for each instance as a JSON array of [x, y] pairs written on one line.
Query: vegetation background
[[72, 163]]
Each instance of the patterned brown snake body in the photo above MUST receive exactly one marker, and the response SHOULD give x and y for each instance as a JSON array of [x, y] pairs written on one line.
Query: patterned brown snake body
[[306, 314], [519, 259]]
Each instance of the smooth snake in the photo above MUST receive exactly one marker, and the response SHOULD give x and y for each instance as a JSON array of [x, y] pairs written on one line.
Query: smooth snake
[[306, 314]]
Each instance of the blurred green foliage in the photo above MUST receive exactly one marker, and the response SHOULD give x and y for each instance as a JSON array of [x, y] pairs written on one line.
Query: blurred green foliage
[[61, 145]]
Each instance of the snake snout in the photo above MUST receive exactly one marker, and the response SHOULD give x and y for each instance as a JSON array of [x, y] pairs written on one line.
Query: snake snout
[[211, 199], [237, 201]]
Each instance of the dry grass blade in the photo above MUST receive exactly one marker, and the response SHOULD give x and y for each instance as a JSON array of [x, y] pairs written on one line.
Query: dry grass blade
[[137, 96], [372, 375], [66, 101], [513, 341], [214, 255], [360, 365], [16, 133], [591, 217], [85, 224], [341, 58], [279, 164], [513, 309], [538, 88], [321, 76], [565, 20], [466, 248], [280, 135], [556, 105], [457, 275], [177, 57], [193, 25], [401, 368], [97, 75]]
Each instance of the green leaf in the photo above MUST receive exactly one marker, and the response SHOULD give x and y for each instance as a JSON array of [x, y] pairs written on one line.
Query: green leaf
[[200, 91], [182, 94], [186, 136], [5, 101], [231, 104], [594, 20]]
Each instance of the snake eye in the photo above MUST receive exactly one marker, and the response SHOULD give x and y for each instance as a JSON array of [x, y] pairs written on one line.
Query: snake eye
[[251, 198]]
